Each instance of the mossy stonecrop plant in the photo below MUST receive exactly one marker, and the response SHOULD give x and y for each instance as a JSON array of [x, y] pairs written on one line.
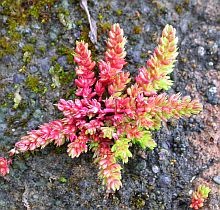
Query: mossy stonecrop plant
[[199, 196], [109, 114]]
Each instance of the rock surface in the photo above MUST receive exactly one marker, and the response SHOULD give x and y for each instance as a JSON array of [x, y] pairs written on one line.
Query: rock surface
[[187, 149]]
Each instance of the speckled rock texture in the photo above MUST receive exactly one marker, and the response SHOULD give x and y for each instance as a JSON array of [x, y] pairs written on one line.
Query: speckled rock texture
[[41, 71]]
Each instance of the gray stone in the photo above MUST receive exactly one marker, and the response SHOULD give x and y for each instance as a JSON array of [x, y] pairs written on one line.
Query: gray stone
[[44, 64], [214, 48], [53, 35], [20, 165], [3, 203], [62, 61], [4, 19], [24, 30], [77, 34], [155, 169], [33, 69], [213, 90], [164, 180], [2, 116], [141, 165], [211, 64], [201, 51], [21, 45], [184, 25], [136, 56], [7, 59], [147, 27], [3, 32], [145, 9], [36, 26], [216, 179], [163, 154], [18, 78], [35, 196], [165, 145], [37, 114]]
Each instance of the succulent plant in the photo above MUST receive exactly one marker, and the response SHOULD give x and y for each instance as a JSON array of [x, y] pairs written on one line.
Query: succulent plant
[[199, 196], [110, 114]]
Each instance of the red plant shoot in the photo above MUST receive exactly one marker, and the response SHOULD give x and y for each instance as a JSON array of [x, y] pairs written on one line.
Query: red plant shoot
[[110, 114], [199, 197]]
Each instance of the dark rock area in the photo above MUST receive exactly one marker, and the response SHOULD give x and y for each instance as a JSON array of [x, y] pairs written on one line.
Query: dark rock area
[[40, 68]]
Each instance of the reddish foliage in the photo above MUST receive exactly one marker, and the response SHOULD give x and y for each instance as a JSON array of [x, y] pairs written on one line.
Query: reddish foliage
[[109, 116]]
